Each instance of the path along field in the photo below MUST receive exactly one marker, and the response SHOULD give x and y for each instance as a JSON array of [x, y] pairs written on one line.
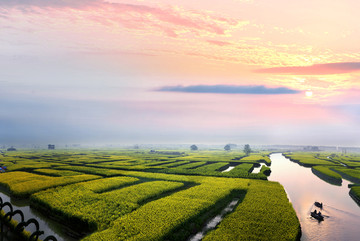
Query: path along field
[[143, 195]]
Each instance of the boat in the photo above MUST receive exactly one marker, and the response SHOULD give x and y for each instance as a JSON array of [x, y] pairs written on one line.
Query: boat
[[319, 205], [317, 216]]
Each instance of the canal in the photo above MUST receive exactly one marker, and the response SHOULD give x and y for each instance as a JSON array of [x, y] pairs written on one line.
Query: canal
[[49, 226], [342, 214]]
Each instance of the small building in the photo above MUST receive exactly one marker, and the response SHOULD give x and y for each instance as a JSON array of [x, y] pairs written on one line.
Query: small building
[[11, 149], [3, 168], [311, 148], [51, 147]]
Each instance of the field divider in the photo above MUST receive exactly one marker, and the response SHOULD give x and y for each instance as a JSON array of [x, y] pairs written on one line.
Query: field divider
[[139, 193]]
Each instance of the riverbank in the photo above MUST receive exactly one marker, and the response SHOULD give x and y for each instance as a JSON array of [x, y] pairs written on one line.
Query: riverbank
[[304, 188], [355, 194], [327, 175]]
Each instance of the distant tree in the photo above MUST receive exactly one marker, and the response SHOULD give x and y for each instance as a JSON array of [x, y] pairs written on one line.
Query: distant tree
[[194, 148], [247, 149], [227, 147]]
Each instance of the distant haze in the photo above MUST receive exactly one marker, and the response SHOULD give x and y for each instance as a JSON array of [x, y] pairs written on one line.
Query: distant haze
[[171, 71]]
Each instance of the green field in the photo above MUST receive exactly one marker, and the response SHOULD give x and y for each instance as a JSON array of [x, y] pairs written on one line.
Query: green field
[[328, 175], [355, 194], [309, 159], [144, 195], [334, 166]]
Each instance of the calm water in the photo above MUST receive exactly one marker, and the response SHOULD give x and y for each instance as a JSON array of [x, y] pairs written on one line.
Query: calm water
[[258, 169], [47, 225], [342, 214], [214, 221], [229, 169]]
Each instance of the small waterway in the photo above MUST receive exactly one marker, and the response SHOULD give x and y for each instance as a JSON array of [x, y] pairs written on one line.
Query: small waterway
[[49, 226], [258, 169], [342, 214], [214, 221], [229, 169]]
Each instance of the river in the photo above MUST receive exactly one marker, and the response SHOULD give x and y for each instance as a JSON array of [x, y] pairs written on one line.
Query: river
[[342, 214]]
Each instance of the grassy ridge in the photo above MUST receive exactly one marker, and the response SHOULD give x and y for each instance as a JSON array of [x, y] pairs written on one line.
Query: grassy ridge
[[55, 173], [330, 167], [355, 194], [22, 184], [253, 220], [265, 170], [92, 170], [256, 158], [351, 174], [307, 159], [326, 174], [158, 219], [326, 170], [83, 204]]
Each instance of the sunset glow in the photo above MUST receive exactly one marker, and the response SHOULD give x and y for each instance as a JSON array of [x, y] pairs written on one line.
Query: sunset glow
[[309, 93], [121, 71]]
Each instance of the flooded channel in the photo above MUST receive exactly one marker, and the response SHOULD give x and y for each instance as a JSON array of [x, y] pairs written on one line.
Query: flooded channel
[[229, 169], [258, 169], [215, 221], [49, 226], [342, 214]]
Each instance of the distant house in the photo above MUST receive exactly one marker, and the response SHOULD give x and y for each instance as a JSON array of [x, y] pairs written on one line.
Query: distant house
[[11, 149], [51, 147], [3, 168], [177, 153], [311, 148]]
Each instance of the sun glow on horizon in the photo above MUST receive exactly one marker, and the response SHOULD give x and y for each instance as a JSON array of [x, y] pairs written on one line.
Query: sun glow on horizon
[[309, 94]]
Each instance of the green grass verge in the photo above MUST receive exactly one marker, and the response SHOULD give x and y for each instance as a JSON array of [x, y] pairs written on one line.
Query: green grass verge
[[326, 174], [254, 220]]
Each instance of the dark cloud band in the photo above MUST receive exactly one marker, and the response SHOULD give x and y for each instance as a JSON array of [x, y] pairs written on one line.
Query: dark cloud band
[[230, 89]]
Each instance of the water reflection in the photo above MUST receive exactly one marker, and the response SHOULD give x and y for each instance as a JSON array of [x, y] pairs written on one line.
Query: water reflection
[[47, 225], [304, 188], [258, 169], [215, 221], [229, 169]]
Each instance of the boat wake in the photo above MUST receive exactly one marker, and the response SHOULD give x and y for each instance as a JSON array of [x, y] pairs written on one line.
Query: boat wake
[[343, 211]]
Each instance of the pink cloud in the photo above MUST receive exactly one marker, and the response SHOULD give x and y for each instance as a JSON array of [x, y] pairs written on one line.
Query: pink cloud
[[219, 43], [170, 21], [316, 69], [48, 3]]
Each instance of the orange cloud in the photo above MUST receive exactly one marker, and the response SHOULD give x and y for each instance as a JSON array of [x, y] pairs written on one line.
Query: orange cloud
[[219, 43], [316, 69]]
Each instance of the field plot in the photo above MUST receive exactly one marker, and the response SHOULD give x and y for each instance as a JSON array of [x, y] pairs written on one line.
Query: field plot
[[253, 212], [308, 159], [22, 184], [92, 205], [256, 158], [151, 195]]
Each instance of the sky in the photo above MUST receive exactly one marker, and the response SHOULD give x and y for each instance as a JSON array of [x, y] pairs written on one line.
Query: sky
[[180, 71]]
